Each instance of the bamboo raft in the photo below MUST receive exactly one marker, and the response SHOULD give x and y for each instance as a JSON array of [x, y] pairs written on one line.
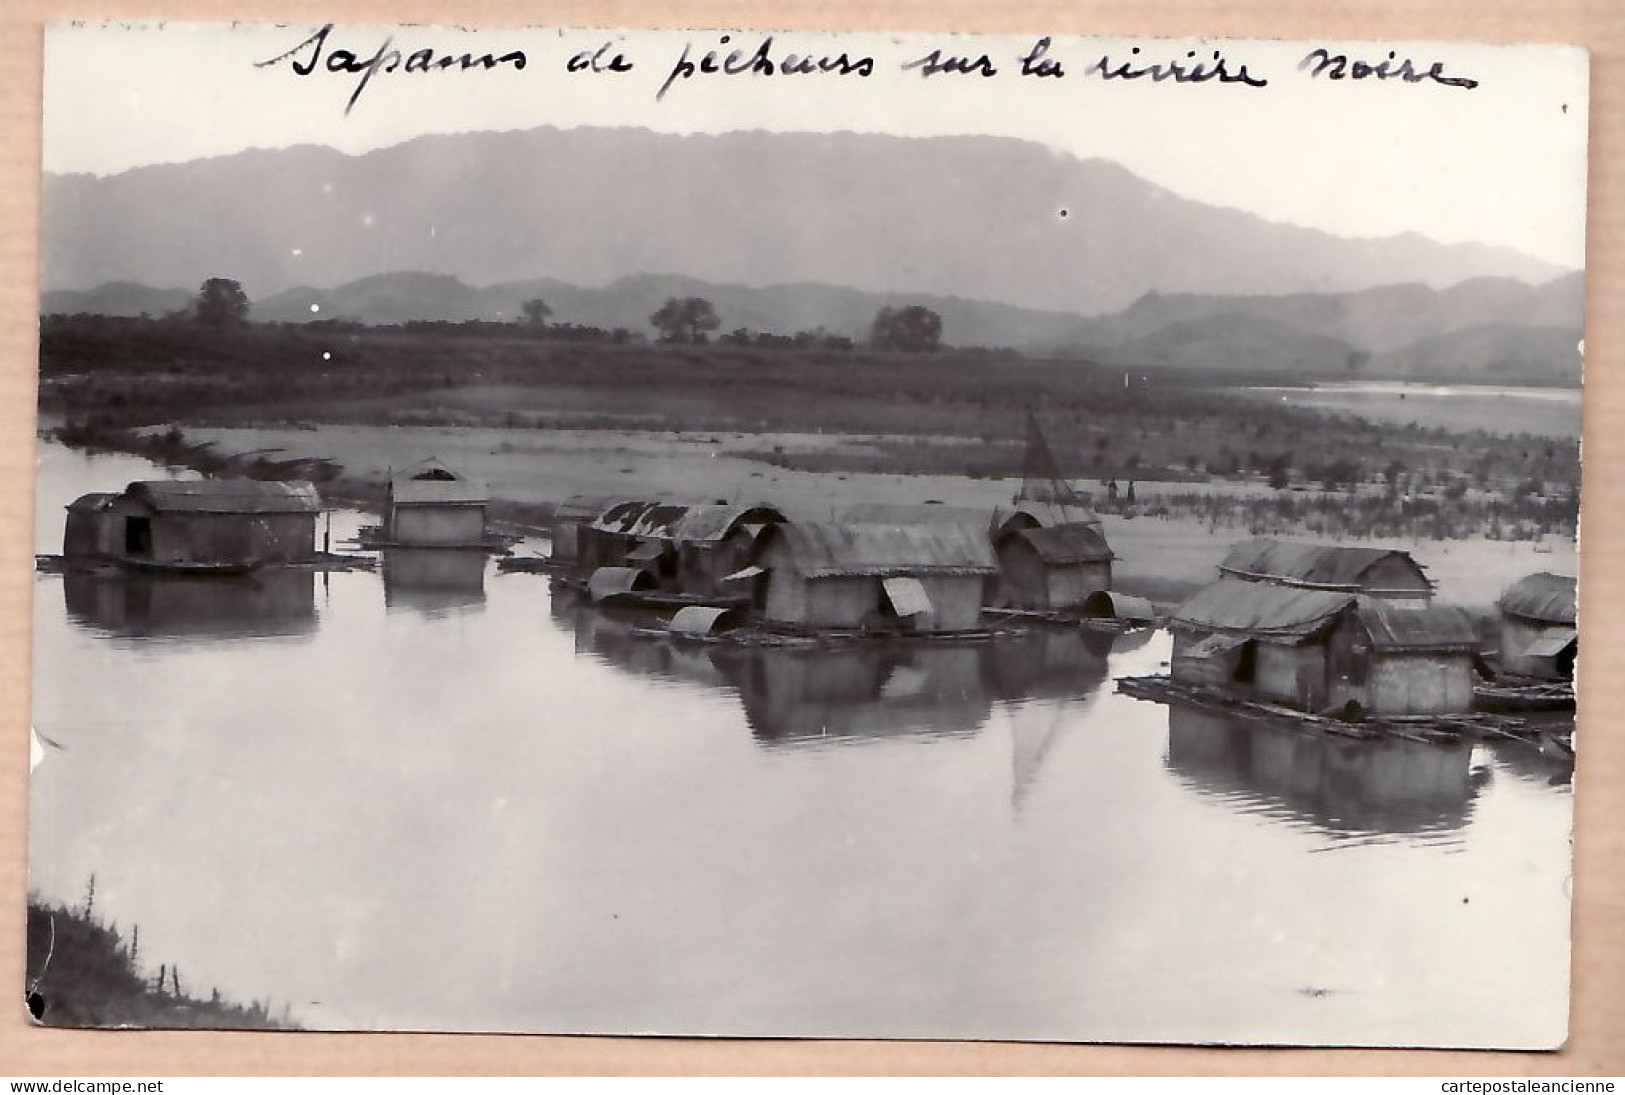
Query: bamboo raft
[[1070, 618], [756, 635], [374, 538], [1524, 694], [321, 560], [1423, 728], [529, 564]]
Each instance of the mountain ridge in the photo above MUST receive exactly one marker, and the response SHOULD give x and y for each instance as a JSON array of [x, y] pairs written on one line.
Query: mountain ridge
[[985, 218], [1491, 328]]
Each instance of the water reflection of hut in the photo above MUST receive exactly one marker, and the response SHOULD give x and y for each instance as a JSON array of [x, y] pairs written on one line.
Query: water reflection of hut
[[1314, 649], [613, 639], [685, 548], [281, 601], [1047, 663], [196, 523], [1049, 677], [432, 505], [1383, 785], [433, 579], [1376, 572], [922, 577], [860, 693], [1052, 568], [1538, 636]]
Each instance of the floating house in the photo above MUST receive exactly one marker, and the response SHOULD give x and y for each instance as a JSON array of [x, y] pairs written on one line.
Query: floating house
[[1051, 568], [430, 505], [1538, 635], [872, 577], [1318, 650], [1384, 573], [199, 524], [1050, 556], [684, 548], [90, 531], [572, 515]]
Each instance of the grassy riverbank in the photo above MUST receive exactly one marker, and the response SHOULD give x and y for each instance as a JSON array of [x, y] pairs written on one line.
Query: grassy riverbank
[[812, 431], [83, 973]]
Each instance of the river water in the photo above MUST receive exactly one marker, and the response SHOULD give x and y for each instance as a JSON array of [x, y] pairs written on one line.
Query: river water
[[438, 798], [1544, 412]]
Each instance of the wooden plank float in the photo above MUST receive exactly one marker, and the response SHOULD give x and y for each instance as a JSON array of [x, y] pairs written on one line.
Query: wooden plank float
[[758, 635], [1427, 728], [1523, 694]]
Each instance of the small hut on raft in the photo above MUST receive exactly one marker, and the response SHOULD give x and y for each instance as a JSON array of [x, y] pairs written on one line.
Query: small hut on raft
[[1052, 568], [872, 577], [1317, 650], [684, 547], [1385, 573], [1050, 557], [1538, 635], [431, 505], [570, 517], [198, 523]]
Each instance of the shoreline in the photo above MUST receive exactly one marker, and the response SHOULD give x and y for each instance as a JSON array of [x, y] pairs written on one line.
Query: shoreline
[[1161, 557]]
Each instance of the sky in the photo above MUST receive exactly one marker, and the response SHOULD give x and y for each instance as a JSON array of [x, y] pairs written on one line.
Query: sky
[[1501, 163]]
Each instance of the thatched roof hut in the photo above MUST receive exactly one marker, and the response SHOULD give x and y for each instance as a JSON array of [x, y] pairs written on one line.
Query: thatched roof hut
[[432, 505], [570, 517], [196, 523], [686, 547], [1052, 568], [1538, 633], [925, 577], [1314, 648], [1377, 572]]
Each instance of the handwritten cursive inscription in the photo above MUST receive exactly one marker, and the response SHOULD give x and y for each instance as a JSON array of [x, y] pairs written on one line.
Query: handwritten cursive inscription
[[1338, 66], [1186, 70], [761, 62], [385, 59]]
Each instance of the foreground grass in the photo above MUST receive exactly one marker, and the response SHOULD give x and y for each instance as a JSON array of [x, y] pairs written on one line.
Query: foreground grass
[[81, 973]]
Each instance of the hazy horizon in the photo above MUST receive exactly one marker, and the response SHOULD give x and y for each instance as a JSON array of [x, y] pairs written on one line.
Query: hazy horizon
[[1502, 164]]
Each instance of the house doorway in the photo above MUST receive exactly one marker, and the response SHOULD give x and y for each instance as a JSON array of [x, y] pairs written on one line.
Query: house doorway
[[138, 536]]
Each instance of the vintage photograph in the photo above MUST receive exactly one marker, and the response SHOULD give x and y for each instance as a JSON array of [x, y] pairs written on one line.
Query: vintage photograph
[[730, 533]]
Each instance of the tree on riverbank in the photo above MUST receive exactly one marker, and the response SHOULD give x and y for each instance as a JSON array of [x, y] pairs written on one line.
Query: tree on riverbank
[[221, 302], [536, 312], [913, 329], [686, 320]]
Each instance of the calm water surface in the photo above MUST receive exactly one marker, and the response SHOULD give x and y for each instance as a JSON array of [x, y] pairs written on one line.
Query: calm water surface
[[436, 798], [1544, 412]]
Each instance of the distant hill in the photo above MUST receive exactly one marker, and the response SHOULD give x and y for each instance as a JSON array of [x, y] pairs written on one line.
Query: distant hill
[[974, 218], [1484, 329], [1489, 353], [628, 302], [1382, 318], [1231, 343], [117, 298]]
